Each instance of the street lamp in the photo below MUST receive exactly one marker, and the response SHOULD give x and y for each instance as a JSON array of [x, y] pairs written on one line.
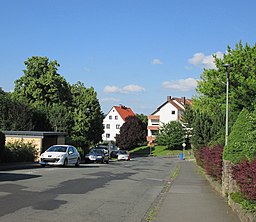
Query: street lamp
[[227, 66]]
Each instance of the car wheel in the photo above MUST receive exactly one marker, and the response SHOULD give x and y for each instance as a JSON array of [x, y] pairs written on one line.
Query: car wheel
[[107, 162], [77, 163], [65, 162], [42, 165]]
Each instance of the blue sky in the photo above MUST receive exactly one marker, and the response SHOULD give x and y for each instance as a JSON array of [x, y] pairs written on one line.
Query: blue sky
[[132, 52]]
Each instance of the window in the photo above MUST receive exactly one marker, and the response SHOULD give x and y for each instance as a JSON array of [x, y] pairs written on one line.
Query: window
[[173, 112], [103, 126], [110, 117], [117, 126], [70, 150], [107, 135], [108, 126], [116, 117]]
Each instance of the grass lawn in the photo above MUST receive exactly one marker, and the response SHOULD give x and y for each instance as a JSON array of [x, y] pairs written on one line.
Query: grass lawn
[[157, 151]]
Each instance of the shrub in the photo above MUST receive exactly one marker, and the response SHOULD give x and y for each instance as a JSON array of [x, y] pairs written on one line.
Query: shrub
[[18, 151], [245, 175], [199, 156], [248, 205], [241, 141], [211, 160]]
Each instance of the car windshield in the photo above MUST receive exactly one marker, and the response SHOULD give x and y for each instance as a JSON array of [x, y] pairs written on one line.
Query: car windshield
[[97, 151], [122, 151], [57, 149]]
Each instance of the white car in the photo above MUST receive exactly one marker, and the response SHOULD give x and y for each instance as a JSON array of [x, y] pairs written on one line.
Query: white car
[[60, 155], [123, 155]]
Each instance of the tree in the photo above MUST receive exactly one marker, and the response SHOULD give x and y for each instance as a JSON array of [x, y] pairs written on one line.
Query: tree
[[15, 115], [143, 118], [171, 135], [41, 84], [132, 133], [211, 99], [187, 116], [46, 92], [60, 117], [87, 116], [201, 134]]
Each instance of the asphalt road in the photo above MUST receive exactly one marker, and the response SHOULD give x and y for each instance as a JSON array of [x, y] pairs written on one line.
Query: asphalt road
[[119, 191]]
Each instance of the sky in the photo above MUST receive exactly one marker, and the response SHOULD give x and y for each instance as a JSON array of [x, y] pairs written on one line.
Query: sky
[[132, 52]]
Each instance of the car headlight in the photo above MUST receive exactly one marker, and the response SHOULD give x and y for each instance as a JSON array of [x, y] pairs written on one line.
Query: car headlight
[[60, 156]]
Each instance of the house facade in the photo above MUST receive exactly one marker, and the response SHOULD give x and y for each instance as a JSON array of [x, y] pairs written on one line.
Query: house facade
[[171, 110], [114, 120]]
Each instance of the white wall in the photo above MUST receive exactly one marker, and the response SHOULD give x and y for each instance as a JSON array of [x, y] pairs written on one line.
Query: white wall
[[113, 122], [166, 115]]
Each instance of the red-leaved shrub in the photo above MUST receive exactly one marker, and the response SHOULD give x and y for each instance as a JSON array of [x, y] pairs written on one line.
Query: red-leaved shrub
[[245, 175], [200, 155], [211, 160]]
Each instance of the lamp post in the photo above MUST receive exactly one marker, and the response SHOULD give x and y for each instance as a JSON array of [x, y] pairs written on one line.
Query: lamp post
[[227, 66]]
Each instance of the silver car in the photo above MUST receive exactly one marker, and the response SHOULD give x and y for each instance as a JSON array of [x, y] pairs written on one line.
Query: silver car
[[60, 155]]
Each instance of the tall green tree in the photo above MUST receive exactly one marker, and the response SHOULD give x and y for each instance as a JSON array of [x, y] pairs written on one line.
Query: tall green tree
[[87, 116], [60, 117], [202, 126], [171, 135], [132, 133], [41, 84], [15, 115], [211, 99]]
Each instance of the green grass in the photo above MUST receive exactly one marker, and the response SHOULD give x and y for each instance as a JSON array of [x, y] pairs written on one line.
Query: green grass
[[157, 151]]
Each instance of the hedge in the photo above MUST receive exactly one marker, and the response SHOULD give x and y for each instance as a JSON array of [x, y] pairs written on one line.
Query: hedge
[[241, 141]]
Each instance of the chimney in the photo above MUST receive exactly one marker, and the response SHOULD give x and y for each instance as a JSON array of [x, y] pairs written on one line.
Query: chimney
[[183, 99], [169, 98]]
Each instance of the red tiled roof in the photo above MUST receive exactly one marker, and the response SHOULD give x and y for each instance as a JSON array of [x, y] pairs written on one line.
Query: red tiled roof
[[124, 112]]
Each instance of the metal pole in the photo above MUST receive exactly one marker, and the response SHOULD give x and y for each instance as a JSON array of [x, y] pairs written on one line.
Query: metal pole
[[226, 137], [227, 66]]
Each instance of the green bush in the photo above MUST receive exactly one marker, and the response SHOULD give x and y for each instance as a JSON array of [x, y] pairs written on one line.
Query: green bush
[[19, 151], [246, 204], [241, 141]]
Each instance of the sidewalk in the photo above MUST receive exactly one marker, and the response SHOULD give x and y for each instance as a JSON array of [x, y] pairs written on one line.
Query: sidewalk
[[191, 198], [18, 166]]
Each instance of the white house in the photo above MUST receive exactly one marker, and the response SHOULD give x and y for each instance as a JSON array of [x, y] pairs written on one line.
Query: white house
[[171, 110], [114, 120]]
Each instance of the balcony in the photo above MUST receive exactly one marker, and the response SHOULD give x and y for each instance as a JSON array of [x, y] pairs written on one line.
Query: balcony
[[153, 127], [152, 117], [151, 138]]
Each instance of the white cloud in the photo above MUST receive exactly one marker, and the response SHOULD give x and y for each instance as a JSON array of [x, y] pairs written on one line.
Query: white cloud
[[156, 62], [203, 61], [125, 89], [182, 85], [111, 89]]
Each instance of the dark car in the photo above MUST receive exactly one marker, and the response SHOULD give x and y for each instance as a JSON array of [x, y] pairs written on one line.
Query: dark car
[[114, 153], [97, 155]]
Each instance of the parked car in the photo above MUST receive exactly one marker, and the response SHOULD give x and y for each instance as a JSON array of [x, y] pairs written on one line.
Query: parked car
[[123, 155], [114, 153], [60, 155], [97, 155]]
